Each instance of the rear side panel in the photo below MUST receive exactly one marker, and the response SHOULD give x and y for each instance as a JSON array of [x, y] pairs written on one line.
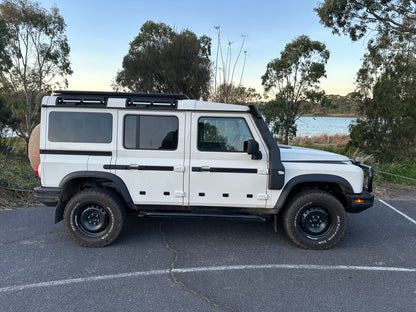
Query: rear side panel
[[63, 149]]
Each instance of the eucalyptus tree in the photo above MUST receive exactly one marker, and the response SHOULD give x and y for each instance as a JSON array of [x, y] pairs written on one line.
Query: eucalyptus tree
[[37, 50], [386, 81], [293, 79], [356, 18], [163, 60]]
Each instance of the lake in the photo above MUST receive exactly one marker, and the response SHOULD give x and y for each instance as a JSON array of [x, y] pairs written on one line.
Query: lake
[[310, 126]]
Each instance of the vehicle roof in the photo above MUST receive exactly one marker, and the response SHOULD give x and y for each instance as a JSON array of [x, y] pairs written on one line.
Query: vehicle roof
[[133, 100]]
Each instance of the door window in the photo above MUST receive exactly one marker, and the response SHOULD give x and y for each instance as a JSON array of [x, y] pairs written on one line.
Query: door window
[[219, 134], [151, 132]]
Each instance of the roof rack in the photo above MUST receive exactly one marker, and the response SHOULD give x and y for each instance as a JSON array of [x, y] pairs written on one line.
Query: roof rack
[[133, 99]]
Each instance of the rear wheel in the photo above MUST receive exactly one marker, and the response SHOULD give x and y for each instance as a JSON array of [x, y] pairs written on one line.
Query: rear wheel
[[315, 219], [94, 217]]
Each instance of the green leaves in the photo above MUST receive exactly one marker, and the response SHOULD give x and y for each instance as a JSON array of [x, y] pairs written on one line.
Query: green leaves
[[292, 78], [355, 18], [163, 60], [34, 51]]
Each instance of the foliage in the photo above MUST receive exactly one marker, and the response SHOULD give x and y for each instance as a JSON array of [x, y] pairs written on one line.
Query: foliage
[[163, 60], [336, 105], [387, 78], [38, 49], [5, 60], [356, 18], [224, 89], [235, 95], [17, 174], [294, 78], [387, 81], [404, 169], [7, 122]]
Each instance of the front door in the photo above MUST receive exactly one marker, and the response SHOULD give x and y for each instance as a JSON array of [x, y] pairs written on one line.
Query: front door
[[221, 172]]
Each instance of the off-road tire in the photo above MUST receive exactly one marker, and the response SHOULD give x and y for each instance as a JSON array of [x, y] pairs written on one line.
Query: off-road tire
[[315, 219], [94, 217]]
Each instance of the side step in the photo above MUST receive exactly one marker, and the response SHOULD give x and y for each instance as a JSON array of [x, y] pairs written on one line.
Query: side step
[[143, 214]]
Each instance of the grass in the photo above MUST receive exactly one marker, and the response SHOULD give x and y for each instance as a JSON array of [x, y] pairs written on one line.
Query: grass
[[406, 169], [16, 173]]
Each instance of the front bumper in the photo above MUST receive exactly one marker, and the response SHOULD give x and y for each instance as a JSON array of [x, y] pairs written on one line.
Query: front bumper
[[48, 195], [360, 202]]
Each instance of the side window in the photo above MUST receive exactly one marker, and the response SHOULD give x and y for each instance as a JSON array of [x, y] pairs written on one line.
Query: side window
[[217, 134], [151, 132], [80, 127]]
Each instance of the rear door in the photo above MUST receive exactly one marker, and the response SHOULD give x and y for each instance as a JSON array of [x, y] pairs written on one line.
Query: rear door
[[150, 157]]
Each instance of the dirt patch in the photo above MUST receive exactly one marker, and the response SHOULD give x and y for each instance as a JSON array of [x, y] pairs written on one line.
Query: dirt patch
[[395, 191], [10, 200]]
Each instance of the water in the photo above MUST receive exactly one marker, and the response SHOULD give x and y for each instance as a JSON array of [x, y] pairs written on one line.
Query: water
[[310, 126]]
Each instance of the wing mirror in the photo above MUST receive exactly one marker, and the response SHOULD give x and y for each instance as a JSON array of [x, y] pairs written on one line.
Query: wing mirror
[[252, 148]]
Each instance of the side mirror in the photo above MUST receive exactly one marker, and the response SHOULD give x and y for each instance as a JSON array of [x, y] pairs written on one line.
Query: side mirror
[[252, 148]]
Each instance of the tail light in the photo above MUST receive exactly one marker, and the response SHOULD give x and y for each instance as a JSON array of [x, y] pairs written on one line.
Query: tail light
[[37, 170]]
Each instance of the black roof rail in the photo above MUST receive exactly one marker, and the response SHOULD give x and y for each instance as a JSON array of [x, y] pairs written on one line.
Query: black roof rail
[[133, 99]]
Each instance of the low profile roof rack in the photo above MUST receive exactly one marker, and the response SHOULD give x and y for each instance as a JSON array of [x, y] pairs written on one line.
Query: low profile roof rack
[[133, 99]]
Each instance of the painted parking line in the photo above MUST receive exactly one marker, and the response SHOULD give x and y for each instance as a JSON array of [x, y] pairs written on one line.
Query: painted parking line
[[205, 269], [398, 211]]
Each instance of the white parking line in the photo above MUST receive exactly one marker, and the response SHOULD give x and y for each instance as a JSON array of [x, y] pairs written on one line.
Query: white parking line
[[398, 211], [204, 269]]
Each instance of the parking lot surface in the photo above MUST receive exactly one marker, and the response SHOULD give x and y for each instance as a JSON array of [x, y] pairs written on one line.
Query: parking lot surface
[[209, 265]]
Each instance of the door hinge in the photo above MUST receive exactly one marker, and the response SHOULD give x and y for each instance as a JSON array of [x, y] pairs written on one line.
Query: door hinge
[[179, 194], [262, 196]]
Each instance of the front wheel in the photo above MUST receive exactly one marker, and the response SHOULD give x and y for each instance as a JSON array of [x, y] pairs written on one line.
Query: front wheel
[[94, 217], [315, 219]]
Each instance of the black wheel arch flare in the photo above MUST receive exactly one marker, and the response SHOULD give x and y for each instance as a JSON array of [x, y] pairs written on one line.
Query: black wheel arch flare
[[65, 186], [311, 179]]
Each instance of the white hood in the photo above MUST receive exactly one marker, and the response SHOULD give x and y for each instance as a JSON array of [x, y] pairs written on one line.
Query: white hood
[[294, 153]]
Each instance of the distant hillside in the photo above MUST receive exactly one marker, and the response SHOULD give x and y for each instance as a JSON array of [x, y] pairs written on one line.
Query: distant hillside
[[339, 105]]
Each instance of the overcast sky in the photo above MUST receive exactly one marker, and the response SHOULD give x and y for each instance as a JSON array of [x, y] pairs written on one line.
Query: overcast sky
[[99, 33]]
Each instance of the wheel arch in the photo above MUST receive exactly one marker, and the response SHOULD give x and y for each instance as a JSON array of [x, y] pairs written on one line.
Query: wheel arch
[[77, 181], [333, 184]]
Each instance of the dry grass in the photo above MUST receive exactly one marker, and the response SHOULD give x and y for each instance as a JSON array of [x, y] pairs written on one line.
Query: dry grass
[[339, 139]]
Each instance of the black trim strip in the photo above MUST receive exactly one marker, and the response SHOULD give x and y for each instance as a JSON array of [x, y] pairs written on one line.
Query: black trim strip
[[156, 168], [224, 170], [66, 152], [143, 168], [337, 162]]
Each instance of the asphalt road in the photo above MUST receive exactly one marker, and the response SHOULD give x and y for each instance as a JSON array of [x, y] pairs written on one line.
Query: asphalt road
[[219, 265]]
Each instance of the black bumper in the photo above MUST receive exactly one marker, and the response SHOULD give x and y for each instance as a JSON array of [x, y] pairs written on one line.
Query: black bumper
[[48, 195], [360, 202]]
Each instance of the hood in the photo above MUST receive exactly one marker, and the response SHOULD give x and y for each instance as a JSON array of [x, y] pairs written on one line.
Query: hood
[[294, 153]]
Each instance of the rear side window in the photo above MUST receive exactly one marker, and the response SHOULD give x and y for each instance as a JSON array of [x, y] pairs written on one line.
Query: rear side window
[[151, 132], [79, 127]]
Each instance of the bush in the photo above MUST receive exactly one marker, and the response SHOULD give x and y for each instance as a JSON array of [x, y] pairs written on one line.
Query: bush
[[17, 174]]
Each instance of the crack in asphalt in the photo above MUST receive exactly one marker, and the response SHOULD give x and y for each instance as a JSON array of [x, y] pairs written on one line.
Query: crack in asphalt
[[176, 281]]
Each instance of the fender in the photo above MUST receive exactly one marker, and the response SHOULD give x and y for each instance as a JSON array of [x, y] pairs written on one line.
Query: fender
[[118, 182], [311, 178]]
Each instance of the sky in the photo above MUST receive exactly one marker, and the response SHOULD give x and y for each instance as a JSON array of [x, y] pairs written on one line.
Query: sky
[[100, 31]]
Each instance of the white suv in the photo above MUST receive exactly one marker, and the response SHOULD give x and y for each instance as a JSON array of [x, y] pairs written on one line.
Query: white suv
[[106, 154]]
